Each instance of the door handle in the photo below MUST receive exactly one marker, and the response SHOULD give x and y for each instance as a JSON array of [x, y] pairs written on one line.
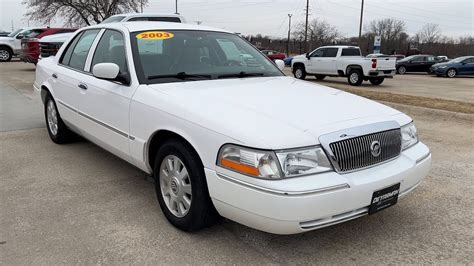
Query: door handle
[[54, 75], [82, 86]]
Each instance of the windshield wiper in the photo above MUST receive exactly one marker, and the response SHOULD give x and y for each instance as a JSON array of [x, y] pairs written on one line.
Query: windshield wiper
[[241, 74], [180, 75]]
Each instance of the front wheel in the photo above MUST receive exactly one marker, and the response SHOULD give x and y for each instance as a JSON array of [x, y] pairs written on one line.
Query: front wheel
[[376, 81], [57, 130], [451, 73], [355, 77], [5, 54], [181, 187], [299, 72]]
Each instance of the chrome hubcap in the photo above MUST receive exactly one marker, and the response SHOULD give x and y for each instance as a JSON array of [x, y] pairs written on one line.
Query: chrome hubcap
[[451, 73], [401, 70], [4, 54], [354, 77], [52, 117], [299, 73], [175, 185]]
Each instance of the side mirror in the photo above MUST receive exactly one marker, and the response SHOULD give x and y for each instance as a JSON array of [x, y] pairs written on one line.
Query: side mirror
[[20, 36], [280, 64], [108, 71], [307, 55]]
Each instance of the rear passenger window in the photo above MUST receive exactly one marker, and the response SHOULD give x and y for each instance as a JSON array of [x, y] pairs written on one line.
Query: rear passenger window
[[330, 52], [351, 52], [111, 49], [81, 50]]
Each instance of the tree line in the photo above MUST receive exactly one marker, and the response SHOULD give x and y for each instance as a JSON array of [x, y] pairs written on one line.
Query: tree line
[[395, 39]]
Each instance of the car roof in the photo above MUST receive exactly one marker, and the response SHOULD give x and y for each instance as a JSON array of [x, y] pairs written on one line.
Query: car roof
[[339, 46], [155, 25], [134, 15]]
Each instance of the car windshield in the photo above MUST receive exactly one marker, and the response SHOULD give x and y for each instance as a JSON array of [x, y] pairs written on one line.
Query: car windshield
[[187, 55], [14, 33]]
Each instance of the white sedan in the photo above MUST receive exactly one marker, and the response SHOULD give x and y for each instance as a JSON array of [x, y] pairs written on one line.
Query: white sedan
[[224, 132]]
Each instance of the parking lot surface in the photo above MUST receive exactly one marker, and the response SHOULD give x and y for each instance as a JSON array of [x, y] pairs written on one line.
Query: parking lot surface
[[78, 204]]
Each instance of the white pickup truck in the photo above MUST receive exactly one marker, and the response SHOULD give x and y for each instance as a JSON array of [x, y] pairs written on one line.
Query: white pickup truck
[[343, 61]]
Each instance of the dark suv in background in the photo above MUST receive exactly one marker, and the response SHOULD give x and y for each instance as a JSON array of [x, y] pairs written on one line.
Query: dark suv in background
[[417, 63]]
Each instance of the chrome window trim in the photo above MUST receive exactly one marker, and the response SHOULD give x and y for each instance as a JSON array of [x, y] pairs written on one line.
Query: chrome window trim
[[90, 55]]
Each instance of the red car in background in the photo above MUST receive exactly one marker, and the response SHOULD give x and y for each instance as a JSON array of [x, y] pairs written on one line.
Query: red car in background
[[274, 55], [30, 49]]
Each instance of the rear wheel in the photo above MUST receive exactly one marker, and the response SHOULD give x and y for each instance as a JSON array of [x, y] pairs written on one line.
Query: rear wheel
[[299, 72], [57, 130], [451, 73], [401, 70], [355, 77], [181, 187], [5, 54], [320, 77], [376, 81]]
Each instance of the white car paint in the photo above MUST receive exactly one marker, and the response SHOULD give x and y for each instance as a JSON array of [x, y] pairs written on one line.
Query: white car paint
[[339, 65], [271, 113]]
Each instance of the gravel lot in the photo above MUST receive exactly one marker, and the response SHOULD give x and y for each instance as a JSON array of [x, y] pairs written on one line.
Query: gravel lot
[[78, 204]]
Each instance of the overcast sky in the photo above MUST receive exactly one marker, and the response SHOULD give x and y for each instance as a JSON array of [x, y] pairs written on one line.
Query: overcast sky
[[269, 17]]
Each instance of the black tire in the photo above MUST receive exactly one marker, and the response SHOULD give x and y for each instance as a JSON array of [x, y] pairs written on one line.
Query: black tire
[[355, 77], [401, 70], [320, 77], [376, 81], [201, 212], [299, 75], [451, 73], [63, 135], [6, 54]]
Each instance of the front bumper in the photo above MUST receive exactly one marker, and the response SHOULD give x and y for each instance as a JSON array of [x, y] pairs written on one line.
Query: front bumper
[[297, 205], [438, 71]]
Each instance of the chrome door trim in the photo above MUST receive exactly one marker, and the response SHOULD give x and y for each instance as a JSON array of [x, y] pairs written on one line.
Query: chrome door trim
[[109, 127]]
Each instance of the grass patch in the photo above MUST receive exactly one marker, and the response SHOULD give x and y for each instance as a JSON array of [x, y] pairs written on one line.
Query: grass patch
[[434, 103]]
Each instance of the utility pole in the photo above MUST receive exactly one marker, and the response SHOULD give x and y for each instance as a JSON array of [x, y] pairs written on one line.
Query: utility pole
[[306, 26], [12, 25], [361, 18], [176, 5], [289, 34]]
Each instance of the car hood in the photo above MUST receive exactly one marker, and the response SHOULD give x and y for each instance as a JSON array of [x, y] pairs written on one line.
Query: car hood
[[6, 39], [57, 38], [441, 64], [278, 112]]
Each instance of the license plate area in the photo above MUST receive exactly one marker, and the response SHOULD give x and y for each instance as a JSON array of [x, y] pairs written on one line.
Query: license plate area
[[384, 198]]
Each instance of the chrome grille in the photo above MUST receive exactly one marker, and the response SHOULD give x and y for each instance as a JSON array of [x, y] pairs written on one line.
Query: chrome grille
[[355, 153], [49, 49]]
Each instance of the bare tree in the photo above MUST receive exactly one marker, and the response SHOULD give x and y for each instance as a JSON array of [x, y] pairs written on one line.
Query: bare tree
[[320, 33], [430, 33], [79, 12], [392, 32]]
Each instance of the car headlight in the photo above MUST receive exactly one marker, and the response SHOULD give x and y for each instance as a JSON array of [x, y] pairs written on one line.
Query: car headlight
[[273, 165], [409, 136]]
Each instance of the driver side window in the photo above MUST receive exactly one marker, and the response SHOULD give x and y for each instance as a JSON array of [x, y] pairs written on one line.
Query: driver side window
[[318, 53], [111, 49]]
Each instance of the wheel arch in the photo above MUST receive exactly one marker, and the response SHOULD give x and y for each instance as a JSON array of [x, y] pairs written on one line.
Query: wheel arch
[[160, 137], [8, 47], [351, 67], [299, 64]]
